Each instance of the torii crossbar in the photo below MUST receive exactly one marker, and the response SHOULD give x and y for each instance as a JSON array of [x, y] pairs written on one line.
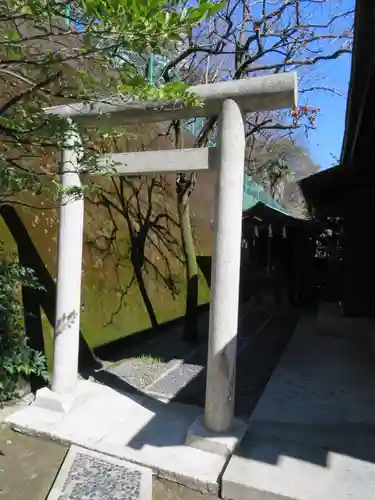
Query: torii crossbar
[[230, 100]]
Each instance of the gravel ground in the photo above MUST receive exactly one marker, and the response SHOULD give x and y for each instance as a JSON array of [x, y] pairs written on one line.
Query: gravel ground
[[140, 373], [144, 364], [172, 369]]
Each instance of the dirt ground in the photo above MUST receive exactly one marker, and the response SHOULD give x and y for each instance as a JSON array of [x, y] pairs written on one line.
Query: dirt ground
[[165, 490], [28, 466]]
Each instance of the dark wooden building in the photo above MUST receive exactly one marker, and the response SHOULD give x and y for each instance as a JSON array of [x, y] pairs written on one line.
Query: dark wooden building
[[347, 192], [276, 256]]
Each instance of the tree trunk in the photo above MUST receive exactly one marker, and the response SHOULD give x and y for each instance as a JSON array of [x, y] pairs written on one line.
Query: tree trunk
[[143, 290], [184, 185]]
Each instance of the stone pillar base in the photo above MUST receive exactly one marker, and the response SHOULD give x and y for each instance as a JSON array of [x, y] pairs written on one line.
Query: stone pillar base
[[53, 401], [214, 442]]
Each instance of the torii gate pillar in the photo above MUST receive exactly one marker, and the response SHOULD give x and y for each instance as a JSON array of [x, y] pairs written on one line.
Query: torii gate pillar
[[217, 431]]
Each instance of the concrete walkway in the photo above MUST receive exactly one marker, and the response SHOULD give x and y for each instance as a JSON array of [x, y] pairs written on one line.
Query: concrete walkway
[[312, 434], [148, 427]]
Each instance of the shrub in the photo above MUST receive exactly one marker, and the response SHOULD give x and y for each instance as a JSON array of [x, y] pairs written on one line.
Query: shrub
[[18, 361]]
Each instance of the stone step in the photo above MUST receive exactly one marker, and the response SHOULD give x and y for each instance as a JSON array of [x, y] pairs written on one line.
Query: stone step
[[88, 475], [311, 435], [277, 469]]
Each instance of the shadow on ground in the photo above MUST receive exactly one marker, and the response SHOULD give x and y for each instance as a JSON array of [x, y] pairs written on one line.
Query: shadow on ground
[[262, 339], [258, 354]]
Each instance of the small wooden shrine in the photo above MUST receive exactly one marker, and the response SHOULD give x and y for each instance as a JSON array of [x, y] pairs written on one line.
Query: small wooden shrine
[[277, 255]]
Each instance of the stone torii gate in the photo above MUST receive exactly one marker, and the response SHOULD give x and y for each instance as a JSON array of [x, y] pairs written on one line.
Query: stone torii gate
[[230, 100]]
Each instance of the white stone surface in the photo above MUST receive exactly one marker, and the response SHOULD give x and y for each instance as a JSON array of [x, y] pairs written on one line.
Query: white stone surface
[[135, 428], [321, 391], [9, 409], [259, 93], [312, 434], [59, 486], [225, 277], [69, 271], [270, 469], [54, 401], [161, 161], [221, 443]]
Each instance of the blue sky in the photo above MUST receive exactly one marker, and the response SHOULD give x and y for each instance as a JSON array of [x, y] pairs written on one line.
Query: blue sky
[[325, 142]]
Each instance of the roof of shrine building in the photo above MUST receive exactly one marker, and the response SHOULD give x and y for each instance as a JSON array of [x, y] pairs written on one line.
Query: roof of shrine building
[[263, 214], [355, 175]]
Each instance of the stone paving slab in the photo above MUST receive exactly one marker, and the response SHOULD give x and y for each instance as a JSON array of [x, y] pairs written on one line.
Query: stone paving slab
[[172, 383], [311, 435], [87, 475], [321, 384], [271, 469], [139, 429]]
